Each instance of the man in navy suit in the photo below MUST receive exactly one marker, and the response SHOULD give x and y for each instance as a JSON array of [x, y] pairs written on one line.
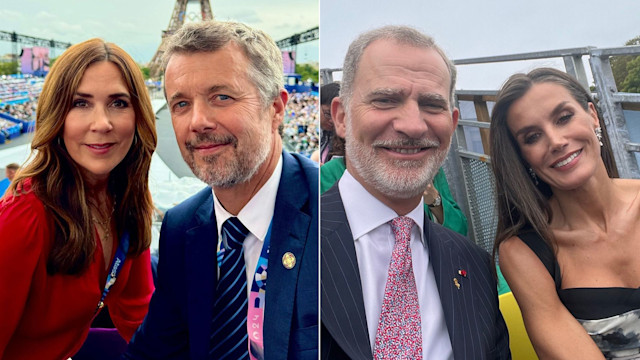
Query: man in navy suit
[[395, 285], [223, 84]]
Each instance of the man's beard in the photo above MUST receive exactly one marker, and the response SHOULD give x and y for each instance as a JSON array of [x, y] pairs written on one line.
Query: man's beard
[[397, 179], [223, 170]]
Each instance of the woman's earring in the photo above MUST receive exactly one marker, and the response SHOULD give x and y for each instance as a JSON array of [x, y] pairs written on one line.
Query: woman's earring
[[598, 132], [533, 176]]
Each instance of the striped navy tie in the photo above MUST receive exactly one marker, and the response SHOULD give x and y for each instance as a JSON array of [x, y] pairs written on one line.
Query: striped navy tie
[[229, 327]]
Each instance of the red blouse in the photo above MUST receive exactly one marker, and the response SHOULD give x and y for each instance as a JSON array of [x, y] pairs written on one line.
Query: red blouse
[[48, 317]]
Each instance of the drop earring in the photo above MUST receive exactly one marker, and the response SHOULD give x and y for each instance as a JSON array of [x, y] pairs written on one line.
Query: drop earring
[[598, 132], [533, 176]]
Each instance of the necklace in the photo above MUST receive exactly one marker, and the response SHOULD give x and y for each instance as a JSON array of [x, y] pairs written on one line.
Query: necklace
[[105, 224]]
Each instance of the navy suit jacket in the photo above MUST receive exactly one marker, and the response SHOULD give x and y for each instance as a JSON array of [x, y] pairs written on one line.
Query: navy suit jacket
[[178, 324], [476, 328]]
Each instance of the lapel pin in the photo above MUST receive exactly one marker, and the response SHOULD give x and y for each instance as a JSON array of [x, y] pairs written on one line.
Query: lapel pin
[[288, 260], [462, 272], [456, 283]]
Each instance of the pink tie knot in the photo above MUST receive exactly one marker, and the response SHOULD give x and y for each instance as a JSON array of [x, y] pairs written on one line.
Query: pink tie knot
[[401, 227]]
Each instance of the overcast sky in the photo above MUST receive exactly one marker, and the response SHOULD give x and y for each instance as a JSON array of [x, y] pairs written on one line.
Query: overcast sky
[[464, 28], [136, 25], [469, 29]]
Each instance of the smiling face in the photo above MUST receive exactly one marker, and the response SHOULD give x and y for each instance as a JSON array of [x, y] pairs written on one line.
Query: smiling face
[[99, 128], [399, 122], [556, 135], [224, 131]]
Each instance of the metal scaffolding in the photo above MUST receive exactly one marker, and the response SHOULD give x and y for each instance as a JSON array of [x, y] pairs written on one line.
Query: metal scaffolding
[[16, 39]]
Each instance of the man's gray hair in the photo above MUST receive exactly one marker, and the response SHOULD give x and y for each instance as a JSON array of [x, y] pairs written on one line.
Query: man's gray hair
[[265, 59], [404, 35]]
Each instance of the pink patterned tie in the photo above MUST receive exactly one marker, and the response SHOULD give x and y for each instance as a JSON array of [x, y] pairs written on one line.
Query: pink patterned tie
[[399, 333]]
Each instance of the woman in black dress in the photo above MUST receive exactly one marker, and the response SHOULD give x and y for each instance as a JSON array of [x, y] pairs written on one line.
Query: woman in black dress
[[568, 229]]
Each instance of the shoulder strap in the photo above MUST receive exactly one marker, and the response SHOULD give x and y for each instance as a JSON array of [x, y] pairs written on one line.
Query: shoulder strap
[[544, 253]]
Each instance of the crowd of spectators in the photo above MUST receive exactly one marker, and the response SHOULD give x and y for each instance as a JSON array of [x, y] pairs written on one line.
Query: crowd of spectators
[[18, 90], [18, 99], [25, 111], [5, 124], [301, 131]]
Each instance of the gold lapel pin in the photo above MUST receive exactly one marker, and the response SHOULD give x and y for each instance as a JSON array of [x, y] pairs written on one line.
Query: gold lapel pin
[[456, 283], [288, 260]]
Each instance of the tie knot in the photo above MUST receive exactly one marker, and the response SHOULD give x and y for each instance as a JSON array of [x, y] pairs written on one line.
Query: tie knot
[[401, 227], [234, 232]]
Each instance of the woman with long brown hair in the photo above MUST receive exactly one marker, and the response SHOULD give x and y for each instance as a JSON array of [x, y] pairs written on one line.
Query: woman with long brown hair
[[568, 229], [75, 225]]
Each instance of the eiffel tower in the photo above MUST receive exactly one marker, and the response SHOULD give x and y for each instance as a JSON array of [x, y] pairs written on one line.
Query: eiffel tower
[[177, 19]]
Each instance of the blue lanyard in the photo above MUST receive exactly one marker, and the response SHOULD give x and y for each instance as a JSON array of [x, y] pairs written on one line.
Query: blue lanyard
[[118, 260], [257, 298], [262, 261], [267, 241]]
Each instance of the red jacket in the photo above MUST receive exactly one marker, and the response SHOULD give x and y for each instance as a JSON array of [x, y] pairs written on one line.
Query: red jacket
[[48, 317]]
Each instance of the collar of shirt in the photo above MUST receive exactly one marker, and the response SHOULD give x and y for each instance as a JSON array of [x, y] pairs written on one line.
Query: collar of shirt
[[365, 213], [257, 213]]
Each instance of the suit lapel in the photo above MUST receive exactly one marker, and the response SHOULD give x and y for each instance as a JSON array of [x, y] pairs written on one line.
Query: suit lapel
[[446, 260], [201, 242], [343, 312], [290, 227]]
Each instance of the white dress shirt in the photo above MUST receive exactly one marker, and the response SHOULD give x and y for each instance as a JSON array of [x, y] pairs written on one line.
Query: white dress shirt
[[256, 216], [374, 241]]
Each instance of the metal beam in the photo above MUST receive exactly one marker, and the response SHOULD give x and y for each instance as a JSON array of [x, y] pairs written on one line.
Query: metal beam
[[299, 38], [326, 75], [468, 93], [626, 50], [527, 56], [574, 66], [614, 119], [478, 124], [626, 97], [31, 40]]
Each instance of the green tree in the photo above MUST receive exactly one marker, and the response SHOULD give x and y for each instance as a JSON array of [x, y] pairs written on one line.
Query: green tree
[[307, 71], [632, 82], [145, 71], [8, 68], [626, 69]]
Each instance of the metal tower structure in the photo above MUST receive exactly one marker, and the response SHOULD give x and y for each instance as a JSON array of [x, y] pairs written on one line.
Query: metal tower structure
[[177, 20]]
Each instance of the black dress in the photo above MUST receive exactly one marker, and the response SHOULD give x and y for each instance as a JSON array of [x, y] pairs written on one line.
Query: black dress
[[611, 316]]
